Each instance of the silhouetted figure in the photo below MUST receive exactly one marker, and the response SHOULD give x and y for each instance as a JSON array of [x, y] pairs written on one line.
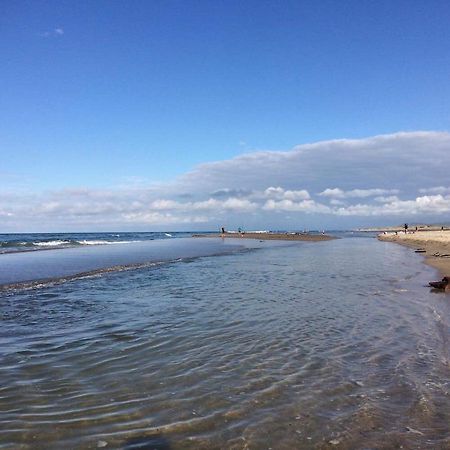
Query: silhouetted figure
[[406, 227]]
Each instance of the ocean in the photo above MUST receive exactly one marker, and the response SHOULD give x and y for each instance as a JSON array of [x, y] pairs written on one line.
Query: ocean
[[164, 341], [11, 243]]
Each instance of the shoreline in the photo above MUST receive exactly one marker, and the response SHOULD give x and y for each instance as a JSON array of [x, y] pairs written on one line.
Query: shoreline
[[436, 246], [400, 228], [270, 236]]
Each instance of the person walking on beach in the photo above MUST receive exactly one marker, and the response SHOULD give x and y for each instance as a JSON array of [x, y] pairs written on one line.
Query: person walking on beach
[[406, 227]]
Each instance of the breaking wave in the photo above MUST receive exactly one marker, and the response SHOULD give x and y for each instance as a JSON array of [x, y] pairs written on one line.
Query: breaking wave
[[25, 242], [20, 246]]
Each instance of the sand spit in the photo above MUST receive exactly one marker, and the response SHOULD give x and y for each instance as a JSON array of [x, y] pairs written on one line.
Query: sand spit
[[411, 227], [271, 236], [435, 243]]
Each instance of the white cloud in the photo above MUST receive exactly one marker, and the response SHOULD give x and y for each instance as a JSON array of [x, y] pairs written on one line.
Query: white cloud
[[356, 193], [164, 205], [434, 204], [53, 33], [389, 199], [280, 193], [236, 204], [156, 218], [307, 206], [435, 190], [385, 162], [335, 202], [381, 176], [335, 193]]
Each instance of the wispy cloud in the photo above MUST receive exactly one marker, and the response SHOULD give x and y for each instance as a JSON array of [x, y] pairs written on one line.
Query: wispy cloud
[[56, 32], [356, 193], [435, 190]]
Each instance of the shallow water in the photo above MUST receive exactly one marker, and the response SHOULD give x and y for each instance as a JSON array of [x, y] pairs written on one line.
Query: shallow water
[[334, 344], [36, 266]]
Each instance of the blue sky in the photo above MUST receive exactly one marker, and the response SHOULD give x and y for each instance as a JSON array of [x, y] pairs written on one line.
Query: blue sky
[[115, 97]]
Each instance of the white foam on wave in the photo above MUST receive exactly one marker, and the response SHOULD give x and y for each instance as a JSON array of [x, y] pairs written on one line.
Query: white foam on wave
[[51, 243], [98, 242], [58, 243]]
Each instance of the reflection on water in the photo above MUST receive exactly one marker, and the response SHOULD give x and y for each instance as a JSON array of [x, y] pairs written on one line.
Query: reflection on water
[[329, 345]]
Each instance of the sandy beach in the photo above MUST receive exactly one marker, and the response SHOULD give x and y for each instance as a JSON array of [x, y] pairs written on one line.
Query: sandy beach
[[435, 243], [270, 236]]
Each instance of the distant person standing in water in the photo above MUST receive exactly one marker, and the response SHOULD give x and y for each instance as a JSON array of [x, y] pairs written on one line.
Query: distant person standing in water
[[223, 230], [406, 227]]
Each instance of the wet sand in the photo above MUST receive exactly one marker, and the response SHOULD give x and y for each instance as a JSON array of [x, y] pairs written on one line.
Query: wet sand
[[270, 236], [435, 243]]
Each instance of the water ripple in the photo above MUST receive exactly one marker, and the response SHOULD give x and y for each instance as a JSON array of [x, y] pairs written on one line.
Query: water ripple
[[288, 347]]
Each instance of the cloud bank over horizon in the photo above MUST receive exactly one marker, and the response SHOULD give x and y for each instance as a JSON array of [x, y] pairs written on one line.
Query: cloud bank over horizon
[[330, 184]]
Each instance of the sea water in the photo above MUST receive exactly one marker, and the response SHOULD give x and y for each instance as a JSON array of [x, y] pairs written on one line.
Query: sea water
[[209, 343], [16, 242]]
